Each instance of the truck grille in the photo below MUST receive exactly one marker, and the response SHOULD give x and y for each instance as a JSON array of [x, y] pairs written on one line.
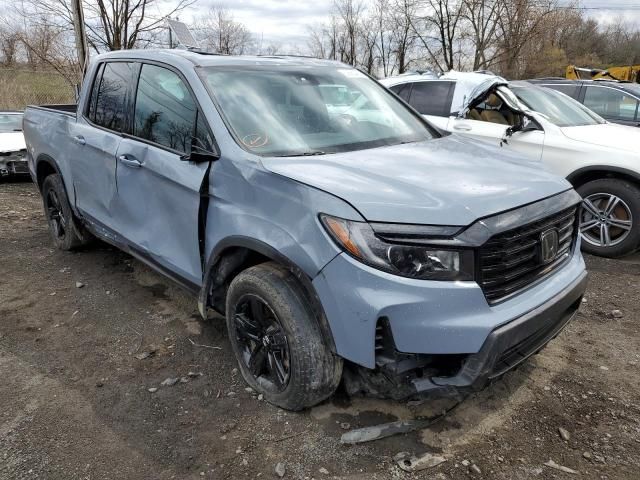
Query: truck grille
[[512, 260]]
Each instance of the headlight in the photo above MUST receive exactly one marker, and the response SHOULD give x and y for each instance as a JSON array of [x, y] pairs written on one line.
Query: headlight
[[413, 261]]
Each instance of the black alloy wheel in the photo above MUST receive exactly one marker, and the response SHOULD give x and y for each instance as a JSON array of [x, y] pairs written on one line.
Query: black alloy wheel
[[66, 231], [263, 343], [283, 352], [55, 215]]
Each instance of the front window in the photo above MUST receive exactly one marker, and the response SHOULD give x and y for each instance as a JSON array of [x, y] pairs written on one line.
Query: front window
[[310, 110], [558, 108], [165, 111], [10, 123]]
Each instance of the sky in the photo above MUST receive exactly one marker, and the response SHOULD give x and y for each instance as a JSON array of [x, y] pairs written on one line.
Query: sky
[[287, 22]]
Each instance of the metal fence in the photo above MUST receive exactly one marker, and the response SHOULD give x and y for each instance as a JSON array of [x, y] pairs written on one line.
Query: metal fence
[[21, 87]]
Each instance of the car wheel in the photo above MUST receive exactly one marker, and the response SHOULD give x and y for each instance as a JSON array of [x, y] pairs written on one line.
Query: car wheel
[[610, 217], [66, 231], [277, 339]]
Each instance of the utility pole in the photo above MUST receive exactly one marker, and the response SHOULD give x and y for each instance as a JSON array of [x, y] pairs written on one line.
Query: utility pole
[[81, 36]]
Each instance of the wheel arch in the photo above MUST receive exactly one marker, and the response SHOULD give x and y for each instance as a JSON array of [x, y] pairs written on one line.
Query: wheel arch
[[237, 253], [45, 166], [596, 172]]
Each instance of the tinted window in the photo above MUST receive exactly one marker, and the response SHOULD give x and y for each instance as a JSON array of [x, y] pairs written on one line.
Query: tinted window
[[611, 103], [111, 96], [165, 111], [571, 90], [91, 110], [402, 90], [431, 98]]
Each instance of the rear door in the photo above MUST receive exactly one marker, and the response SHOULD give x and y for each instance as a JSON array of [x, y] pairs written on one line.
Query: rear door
[[158, 190], [433, 100], [96, 137]]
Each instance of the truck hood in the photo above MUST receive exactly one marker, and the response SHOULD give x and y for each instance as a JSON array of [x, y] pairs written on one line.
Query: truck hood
[[12, 142], [609, 135], [447, 181]]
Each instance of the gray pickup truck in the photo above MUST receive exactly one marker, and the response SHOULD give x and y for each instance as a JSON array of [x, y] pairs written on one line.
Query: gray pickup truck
[[355, 243]]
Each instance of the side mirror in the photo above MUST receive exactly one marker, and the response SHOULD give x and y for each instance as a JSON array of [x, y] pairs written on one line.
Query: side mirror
[[528, 124], [199, 154]]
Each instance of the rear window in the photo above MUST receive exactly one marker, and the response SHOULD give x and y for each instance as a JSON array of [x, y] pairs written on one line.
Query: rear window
[[111, 96], [432, 98], [403, 90]]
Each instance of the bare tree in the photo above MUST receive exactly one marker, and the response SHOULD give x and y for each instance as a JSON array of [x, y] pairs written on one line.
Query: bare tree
[[350, 12], [438, 31], [483, 18], [222, 33], [519, 26], [9, 45], [110, 24], [403, 37], [125, 24]]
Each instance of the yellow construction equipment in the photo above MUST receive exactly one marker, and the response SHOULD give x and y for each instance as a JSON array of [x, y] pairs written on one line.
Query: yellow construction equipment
[[629, 73]]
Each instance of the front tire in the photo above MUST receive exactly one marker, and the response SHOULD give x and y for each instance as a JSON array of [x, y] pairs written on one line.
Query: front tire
[[66, 231], [277, 340], [610, 217]]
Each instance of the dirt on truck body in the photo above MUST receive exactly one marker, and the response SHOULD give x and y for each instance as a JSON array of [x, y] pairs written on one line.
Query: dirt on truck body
[[109, 373]]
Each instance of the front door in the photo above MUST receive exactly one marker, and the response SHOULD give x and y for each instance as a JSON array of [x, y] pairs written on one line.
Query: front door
[[529, 143], [158, 191]]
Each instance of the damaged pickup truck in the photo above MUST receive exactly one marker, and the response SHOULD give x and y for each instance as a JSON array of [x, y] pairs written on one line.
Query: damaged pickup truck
[[367, 244]]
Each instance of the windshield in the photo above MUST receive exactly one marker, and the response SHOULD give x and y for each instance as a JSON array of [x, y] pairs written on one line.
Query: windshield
[[310, 110], [559, 109], [10, 122]]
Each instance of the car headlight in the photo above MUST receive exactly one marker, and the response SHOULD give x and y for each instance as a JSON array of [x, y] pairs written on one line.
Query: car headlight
[[414, 261]]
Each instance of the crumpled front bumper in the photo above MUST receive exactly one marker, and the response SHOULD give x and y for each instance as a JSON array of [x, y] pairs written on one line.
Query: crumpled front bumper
[[13, 163], [508, 346]]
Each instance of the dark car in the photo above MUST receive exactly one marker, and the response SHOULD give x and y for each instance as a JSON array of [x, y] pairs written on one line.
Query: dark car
[[611, 99]]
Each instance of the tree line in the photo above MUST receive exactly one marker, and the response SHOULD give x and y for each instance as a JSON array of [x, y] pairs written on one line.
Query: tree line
[[514, 38]]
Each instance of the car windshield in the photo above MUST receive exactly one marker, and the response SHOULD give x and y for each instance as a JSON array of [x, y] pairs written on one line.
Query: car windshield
[[10, 122], [310, 110], [559, 109]]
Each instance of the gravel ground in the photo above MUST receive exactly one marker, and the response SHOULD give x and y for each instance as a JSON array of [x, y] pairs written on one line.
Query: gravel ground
[[86, 337]]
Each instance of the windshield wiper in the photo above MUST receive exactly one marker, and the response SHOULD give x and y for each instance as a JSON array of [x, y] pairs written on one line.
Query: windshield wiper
[[304, 154]]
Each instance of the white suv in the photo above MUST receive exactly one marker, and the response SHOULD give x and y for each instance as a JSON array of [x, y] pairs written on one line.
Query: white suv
[[600, 159]]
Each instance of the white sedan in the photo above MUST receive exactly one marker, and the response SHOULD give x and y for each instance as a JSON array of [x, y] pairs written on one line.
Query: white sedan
[[600, 159], [13, 158]]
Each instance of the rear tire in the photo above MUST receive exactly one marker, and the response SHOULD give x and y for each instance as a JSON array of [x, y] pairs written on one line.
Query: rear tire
[[610, 217], [65, 229], [277, 339]]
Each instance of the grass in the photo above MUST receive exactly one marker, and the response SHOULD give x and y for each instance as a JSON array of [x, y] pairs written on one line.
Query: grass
[[21, 87]]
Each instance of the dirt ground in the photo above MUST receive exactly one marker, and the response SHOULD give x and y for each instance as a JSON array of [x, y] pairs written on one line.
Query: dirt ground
[[75, 400]]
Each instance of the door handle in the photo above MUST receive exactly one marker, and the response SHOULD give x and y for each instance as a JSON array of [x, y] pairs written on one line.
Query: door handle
[[463, 128], [79, 140], [130, 161]]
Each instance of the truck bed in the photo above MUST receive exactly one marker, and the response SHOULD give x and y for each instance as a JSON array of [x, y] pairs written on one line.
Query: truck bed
[[67, 109]]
